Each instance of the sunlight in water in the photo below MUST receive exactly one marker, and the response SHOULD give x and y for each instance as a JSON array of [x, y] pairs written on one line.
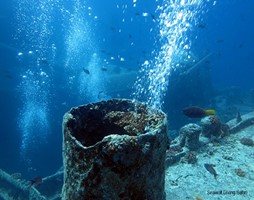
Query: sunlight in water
[[177, 17]]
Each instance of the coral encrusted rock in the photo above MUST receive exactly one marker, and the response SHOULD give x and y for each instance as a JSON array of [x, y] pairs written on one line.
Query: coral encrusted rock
[[213, 127], [190, 136]]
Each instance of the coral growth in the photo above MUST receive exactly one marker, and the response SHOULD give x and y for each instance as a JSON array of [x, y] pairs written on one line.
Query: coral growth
[[240, 172], [173, 154], [190, 157], [198, 198], [133, 123], [212, 126], [190, 136]]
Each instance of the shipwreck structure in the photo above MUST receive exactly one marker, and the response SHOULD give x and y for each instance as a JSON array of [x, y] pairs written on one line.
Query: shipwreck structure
[[114, 150]]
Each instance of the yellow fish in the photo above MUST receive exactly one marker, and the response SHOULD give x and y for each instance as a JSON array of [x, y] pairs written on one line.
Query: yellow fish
[[197, 112]]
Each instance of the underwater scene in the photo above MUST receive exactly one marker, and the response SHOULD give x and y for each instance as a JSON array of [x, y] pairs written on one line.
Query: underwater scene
[[127, 99]]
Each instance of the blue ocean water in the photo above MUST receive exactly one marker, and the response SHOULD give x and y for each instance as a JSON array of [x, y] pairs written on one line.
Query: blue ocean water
[[60, 54]]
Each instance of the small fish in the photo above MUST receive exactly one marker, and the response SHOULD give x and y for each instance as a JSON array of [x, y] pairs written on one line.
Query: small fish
[[43, 61], [113, 29], [197, 112], [220, 41], [144, 51], [202, 25], [86, 71], [36, 181], [153, 17], [210, 168], [8, 76], [240, 46], [104, 69]]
